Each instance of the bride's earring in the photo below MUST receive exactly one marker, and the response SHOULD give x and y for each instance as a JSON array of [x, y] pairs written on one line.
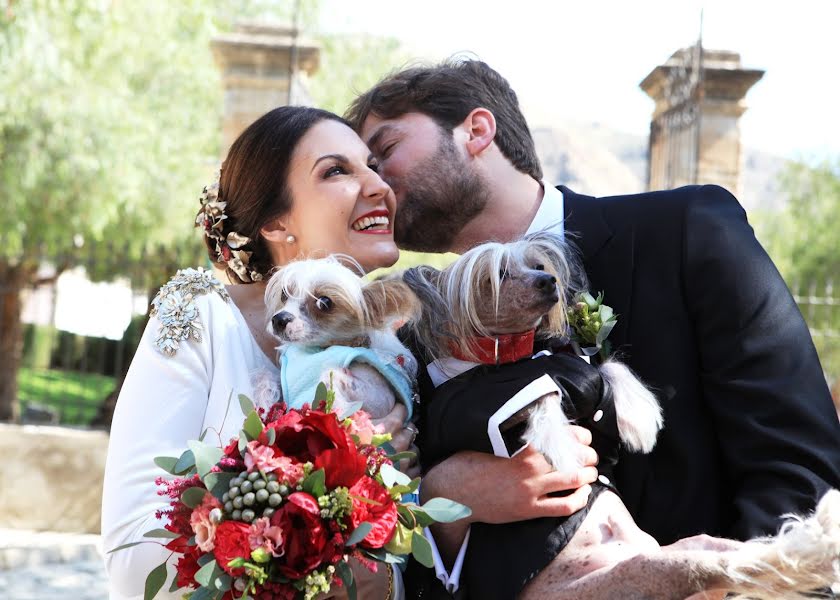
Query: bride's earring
[[290, 239]]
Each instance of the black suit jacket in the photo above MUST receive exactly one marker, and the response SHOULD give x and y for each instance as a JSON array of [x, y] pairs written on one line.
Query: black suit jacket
[[704, 317], [707, 321]]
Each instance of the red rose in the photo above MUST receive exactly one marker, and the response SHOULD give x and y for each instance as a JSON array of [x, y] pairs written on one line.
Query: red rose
[[382, 515], [342, 467], [187, 567], [308, 543], [305, 434], [232, 542]]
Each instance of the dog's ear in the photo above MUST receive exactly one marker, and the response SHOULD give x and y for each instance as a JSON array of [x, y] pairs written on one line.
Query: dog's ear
[[389, 302]]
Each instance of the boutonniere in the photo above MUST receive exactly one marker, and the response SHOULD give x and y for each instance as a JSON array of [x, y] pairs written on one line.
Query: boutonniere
[[590, 322]]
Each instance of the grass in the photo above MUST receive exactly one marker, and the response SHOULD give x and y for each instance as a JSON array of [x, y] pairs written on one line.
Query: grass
[[75, 396]]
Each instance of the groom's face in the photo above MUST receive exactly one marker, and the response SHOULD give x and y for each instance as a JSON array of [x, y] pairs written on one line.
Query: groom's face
[[437, 190]]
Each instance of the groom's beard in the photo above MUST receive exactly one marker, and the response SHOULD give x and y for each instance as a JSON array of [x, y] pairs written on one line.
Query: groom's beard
[[441, 195]]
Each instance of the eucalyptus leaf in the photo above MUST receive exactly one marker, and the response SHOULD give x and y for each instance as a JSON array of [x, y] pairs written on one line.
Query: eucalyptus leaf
[[167, 463], [422, 550], [129, 545], [444, 510], [320, 394], [402, 455], [422, 518], [242, 445], [185, 462], [391, 476], [193, 496], [202, 593], [205, 558], [359, 533], [223, 582], [271, 434], [174, 587], [350, 409], [161, 533], [206, 456], [154, 581], [346, 574], [207, 573], [245, 404], [252, 426], [218, 483], [315, 483], [605, 330]]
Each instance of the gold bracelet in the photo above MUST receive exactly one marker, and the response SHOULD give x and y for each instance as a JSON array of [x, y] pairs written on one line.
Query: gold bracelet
[[390, 581]]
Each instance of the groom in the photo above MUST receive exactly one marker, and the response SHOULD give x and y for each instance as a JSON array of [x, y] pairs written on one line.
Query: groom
[[704, 317]]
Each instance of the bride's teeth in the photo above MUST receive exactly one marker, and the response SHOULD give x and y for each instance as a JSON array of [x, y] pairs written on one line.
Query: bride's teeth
[[367, 222]]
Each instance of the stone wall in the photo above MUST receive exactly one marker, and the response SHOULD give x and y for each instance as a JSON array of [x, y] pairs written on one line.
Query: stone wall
[[51, 478]]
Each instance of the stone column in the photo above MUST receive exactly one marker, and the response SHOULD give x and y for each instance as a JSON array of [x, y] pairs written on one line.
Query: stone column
[[694, 132], [263, 66]]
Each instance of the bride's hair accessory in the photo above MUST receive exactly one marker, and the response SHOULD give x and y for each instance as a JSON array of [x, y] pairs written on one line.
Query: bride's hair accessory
[[229, 246]]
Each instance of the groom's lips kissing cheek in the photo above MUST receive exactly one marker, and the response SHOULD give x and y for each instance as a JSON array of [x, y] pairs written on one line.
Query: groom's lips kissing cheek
[[375, 222]]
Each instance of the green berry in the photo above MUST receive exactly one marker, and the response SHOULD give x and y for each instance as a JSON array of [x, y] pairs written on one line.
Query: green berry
[[225, 497], [272, 477], [274, 499], [237, 502], [228, 507], [246, 486], [262, 496], [248, 515], [252, 477], [267, 512], [284, 490], [273, 487], [248, 499], [233, 492], [236, 515], [259, 484]]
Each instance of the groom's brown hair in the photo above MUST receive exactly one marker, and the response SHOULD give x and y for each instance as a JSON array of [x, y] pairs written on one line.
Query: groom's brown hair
[[447, 93]]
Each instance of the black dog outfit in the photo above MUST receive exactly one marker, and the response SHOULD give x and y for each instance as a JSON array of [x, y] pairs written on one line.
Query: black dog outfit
[[501, 559]]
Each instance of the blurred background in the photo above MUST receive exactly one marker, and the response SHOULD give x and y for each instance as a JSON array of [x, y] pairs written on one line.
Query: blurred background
[[114, 114]]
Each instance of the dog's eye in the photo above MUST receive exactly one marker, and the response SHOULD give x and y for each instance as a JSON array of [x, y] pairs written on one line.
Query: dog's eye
[[539, 267], [324, 303]]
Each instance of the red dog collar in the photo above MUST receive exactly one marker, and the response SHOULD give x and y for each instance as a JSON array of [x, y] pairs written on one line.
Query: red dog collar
[[497, 350]]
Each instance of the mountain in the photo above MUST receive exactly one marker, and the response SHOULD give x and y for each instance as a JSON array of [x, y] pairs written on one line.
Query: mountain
[[592, 158]]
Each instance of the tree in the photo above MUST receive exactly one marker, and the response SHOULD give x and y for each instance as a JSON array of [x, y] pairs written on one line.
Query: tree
[[105, 134], [804, 242]]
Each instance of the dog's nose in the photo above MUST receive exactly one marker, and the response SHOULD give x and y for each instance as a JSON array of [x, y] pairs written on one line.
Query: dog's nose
[[280, 320], [545, 282]]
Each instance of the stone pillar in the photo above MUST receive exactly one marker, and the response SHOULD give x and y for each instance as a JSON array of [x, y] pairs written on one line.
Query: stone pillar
[[257, 61], [694, 131]]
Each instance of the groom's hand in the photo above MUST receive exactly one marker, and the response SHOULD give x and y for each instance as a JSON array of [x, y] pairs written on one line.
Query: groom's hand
[[503, 490]]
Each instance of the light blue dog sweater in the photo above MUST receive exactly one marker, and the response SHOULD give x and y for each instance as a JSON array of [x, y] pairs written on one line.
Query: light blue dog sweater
[[301, 369]]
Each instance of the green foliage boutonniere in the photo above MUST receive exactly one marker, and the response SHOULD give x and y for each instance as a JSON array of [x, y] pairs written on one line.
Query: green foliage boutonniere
[[590, 322]]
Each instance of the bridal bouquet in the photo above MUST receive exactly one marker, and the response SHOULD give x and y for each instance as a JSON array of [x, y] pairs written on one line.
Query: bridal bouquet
[[279, 511]]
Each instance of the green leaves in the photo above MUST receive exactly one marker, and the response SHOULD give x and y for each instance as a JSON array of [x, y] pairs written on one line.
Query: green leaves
[[193, 496], [315, 483], [422, 550], [346, 574], [218, 483], [154, 581], [391, 477], [253, 426], [359, 533], [161, 533], [444, 510], [245, 404], [205, 456]]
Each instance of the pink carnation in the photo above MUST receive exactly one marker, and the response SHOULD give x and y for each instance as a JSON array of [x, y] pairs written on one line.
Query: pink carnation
[[362, 427], [202, 525], [266, 459], [267, 536]]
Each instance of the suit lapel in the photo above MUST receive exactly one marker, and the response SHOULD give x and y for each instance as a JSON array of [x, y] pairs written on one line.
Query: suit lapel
[[607, 249]]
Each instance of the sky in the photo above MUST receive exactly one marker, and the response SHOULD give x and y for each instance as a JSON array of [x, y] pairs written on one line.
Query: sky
[[583, 61]]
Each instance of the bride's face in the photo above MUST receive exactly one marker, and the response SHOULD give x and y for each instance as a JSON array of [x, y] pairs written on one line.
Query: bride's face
[[339, 202]]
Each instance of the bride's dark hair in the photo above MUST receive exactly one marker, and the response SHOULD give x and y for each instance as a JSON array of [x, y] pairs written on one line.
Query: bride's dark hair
[[253, 179]]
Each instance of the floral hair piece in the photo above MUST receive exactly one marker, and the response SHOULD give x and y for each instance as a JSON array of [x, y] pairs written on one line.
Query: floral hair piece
[[229, 246]]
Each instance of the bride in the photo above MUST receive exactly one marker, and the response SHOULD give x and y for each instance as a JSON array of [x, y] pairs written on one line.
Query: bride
[[294, 184]]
